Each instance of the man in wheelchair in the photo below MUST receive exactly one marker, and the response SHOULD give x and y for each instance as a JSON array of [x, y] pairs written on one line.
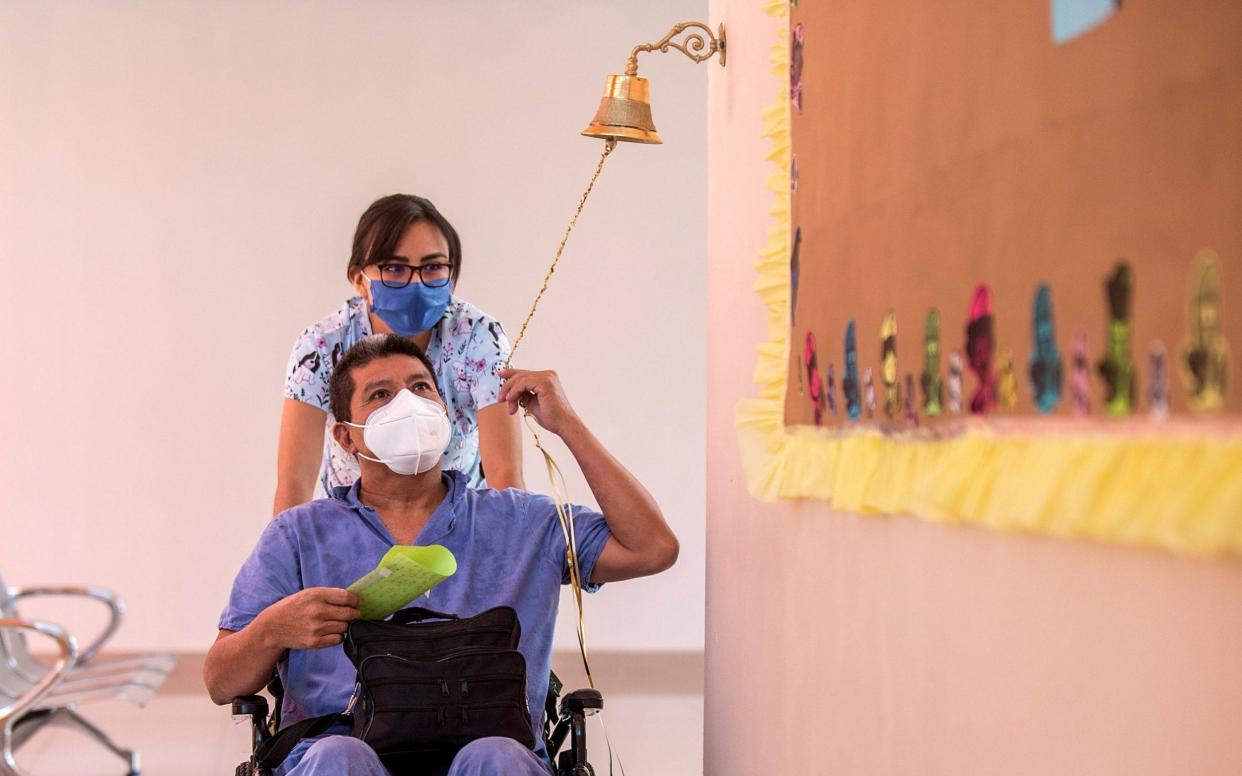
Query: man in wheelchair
[[288, 609]]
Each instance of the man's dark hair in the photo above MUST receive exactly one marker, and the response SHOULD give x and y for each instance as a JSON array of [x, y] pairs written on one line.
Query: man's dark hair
[[368, 349], [385, 221]]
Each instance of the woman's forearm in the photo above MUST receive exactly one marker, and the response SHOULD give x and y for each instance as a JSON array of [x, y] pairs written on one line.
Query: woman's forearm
[[500, 448], [299, 453]]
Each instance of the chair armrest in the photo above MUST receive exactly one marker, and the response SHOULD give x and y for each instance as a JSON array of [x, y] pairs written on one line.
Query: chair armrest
[[68, 654], [575, 708], [116, 610], [585, 702], [254, 709], [249, 706]]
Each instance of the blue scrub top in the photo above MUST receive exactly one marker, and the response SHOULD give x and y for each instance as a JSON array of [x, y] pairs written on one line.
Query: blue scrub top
[[510, 551]]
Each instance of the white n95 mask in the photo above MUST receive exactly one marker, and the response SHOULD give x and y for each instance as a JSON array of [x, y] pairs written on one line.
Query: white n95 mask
[[409, 433]]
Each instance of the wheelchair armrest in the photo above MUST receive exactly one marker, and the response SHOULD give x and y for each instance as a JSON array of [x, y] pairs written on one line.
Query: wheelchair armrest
[[585, 702], [575, 708], [250, 706], [254, 709]]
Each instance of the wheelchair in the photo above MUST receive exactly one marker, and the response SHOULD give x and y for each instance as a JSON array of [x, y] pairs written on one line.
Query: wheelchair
[[566, 719]]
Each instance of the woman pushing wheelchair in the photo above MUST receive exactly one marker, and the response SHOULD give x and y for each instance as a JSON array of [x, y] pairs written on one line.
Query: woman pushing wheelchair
[[404, 267]]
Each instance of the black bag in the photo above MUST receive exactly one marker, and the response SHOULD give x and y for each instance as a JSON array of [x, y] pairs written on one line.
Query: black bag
[[427, 688]]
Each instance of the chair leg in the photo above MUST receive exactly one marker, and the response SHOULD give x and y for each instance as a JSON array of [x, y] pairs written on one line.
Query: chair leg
[[128, 755], [8, 766], [28, 725]]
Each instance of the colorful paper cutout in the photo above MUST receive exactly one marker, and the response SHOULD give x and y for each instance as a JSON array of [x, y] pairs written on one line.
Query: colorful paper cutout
[[980, 347], [869, 392], [1146, 490], [793, 289], [793, 275], [850, 385], [1006, 382], [811, 361], [830, 391], [1045, 363], [1071, 18], [930, 379], [1080, 377], [1116, 368], [1158, 381], [1205, 352], [888, 365], [912, 417], [955, 383], [795, 69]]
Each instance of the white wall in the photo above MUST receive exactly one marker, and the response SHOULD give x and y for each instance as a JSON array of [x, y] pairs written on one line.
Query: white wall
[[178, 188]]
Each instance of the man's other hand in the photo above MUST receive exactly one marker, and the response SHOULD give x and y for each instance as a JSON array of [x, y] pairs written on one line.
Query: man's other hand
[[540, 393], [314, 618]]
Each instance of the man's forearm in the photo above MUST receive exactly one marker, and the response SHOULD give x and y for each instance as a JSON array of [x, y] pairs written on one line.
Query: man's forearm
[[239, 663], [641, 542], [633, 517]]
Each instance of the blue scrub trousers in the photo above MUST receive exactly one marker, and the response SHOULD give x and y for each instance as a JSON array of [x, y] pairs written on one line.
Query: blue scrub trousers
[[348, 756]]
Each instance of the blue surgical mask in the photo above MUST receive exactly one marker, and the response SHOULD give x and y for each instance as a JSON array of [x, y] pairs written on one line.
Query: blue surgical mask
[[410, 310]]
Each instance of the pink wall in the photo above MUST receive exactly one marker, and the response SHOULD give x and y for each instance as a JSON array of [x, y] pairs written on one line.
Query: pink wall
[[840, 644]]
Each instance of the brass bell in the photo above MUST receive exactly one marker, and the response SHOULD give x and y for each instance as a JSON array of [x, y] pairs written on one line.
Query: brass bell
[[624, 112]]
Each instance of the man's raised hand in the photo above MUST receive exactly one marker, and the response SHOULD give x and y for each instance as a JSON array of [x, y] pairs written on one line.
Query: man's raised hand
[[540, 393]]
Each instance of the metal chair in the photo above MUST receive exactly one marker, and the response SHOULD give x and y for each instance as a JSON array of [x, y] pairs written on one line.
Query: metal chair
[[38, 695]]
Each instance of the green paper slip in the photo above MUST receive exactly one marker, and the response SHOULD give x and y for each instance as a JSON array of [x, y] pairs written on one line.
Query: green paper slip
[[403, 574]]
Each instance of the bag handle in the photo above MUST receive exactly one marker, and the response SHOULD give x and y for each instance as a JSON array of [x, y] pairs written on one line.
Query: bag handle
[[418, 614], [273, 751]]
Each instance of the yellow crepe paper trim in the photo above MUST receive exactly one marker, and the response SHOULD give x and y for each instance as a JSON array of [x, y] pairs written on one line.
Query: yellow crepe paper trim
[[1131, 484]]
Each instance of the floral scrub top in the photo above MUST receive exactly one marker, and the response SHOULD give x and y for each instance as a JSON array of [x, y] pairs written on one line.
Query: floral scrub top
[[467, 347]]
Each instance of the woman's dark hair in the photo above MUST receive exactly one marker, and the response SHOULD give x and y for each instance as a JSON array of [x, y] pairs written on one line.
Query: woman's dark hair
[[366, 350], [383, 223]]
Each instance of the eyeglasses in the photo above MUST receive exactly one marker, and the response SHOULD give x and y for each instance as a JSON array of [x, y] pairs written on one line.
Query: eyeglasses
[[433, 275]]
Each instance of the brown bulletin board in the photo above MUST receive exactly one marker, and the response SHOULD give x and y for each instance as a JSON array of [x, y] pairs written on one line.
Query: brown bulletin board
[[947, 143]]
